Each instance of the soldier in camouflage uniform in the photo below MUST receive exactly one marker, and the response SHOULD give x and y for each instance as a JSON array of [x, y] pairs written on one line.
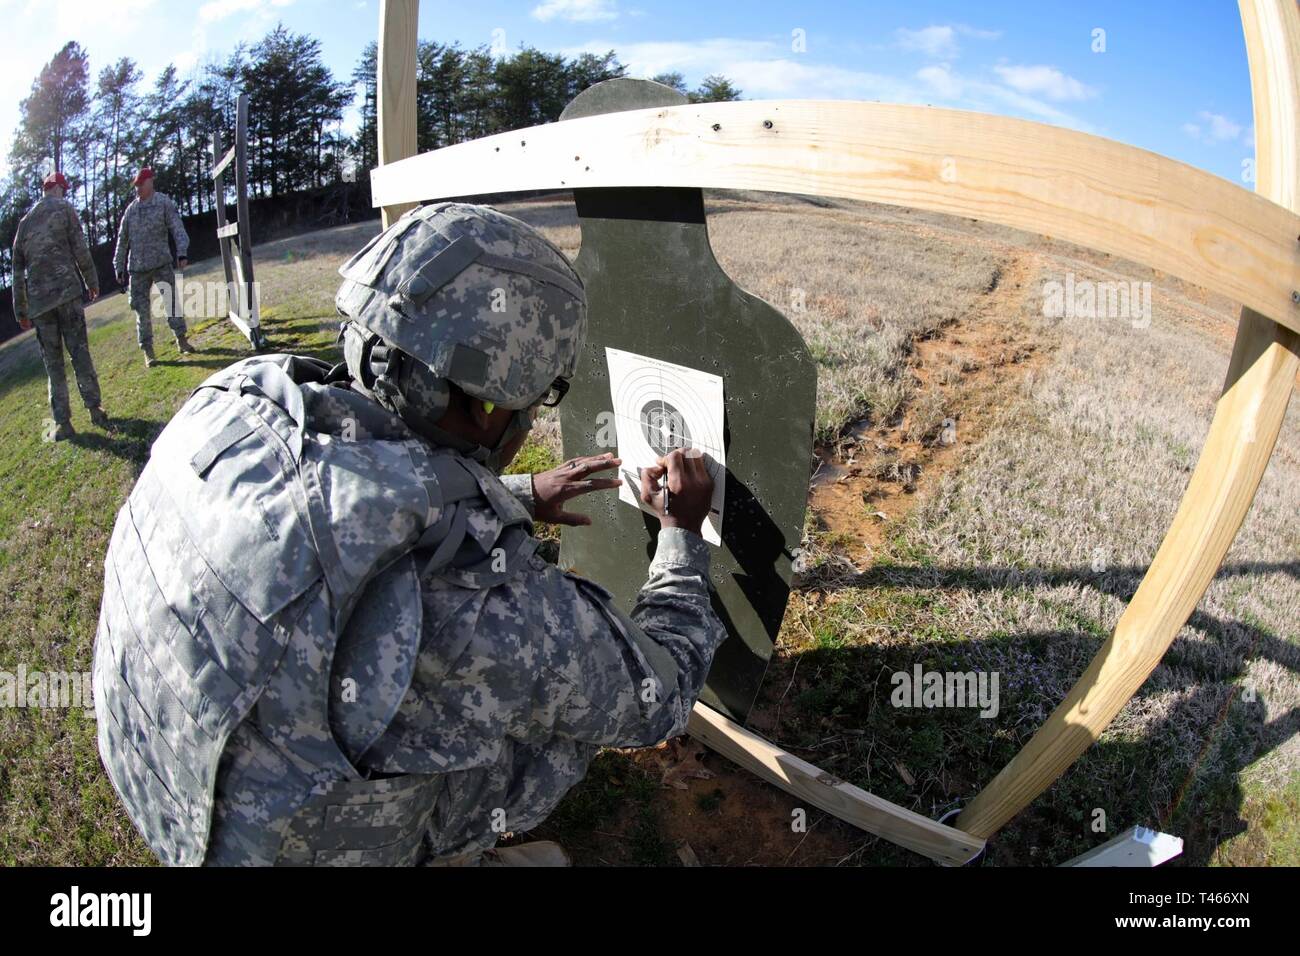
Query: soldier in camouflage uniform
[[51, 264], [326, 636], [143, 259]]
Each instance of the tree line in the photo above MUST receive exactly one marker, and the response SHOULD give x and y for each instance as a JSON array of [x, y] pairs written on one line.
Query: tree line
[[100, 128]]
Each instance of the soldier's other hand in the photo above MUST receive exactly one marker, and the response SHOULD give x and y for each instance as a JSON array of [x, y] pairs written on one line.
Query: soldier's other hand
[[121, 279], [94, 294], [551, 489], [690, 489], [182, 262], [24, 323]]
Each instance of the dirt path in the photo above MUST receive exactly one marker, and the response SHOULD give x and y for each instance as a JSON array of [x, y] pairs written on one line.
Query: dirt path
[[962, 374]]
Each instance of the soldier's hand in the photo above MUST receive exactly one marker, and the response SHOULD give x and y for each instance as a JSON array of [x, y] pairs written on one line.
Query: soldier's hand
[[690, 489], [94, 294], [181, 263], [121, 279], [551, 489], [24, 323]]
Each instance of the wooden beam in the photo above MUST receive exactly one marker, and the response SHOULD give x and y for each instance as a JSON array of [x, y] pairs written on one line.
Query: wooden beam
[[1057, 182], [219, 190], [242, 244], [225, 161], [1272, 30], [398, 31], [229, 229], [795, 776], [1246, 424]]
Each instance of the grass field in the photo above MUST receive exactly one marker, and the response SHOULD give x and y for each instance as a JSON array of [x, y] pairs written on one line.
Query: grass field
[[1012, 548]]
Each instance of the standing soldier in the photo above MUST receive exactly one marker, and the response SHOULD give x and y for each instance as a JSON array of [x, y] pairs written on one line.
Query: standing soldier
[[51, 262], [143, 252]]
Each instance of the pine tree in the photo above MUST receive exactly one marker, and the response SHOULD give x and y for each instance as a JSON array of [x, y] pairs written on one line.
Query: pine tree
[[57, 103], [715, 89]]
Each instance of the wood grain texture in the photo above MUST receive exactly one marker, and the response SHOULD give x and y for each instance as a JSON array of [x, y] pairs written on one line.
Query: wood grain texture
[[1095, 192], [1273, 48], [1246, 424], [795, 776], [395, 89]]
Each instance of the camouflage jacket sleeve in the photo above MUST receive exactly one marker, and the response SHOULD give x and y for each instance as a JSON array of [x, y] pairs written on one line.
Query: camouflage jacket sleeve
[[547, 661], [521, 486], [177, 228], [81, 251], [632, 681], [123, 242], [19, 264]]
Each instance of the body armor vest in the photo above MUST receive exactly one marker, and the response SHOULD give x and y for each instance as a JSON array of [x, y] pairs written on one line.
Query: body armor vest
[[261, 618]]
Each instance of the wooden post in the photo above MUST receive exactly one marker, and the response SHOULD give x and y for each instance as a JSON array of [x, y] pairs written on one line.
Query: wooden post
[[395, 105], [235, 238], [1246, 424], [864, 810], [222, 162]]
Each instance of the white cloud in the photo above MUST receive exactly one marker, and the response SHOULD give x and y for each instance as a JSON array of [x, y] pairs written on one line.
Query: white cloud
[[1217, 128], [68, 16], [938, 42], [764, 69], [761, 69], [942, 80], [1045, 81], [215, 10], [575, 11], [1221, 128], [690, 57]]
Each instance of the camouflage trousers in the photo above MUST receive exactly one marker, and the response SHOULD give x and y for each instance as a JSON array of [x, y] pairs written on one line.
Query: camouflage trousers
[[142, 284], [62, 326]]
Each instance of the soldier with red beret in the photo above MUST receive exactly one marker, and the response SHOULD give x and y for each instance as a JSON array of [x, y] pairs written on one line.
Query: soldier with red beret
[[143, 259]]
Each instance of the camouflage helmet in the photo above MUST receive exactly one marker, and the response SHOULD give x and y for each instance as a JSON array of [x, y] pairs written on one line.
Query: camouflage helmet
[[476, 297]]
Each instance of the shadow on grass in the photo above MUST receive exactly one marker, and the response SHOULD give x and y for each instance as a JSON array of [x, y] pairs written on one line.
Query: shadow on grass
[[131, 440], [1201, 724], [1119, 582]]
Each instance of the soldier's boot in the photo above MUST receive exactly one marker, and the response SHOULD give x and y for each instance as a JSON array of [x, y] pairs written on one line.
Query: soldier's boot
[[64, 431], [541, 853], [183, 344], [149, 359], [100, 419]]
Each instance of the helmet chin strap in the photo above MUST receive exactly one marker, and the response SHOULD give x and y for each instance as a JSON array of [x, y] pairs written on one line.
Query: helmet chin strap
[[378, 370], [491, 458]]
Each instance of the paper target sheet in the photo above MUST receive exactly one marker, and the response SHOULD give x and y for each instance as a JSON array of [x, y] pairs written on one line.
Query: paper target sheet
[[659, 406]]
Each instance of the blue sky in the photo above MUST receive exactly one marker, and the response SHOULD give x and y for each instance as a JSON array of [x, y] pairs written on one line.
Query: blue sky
[[1172, 77]]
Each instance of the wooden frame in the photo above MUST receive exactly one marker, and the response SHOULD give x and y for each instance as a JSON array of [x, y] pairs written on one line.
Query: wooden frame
[[1101, 194], [234, 238], [396, 88], [1095, 192]]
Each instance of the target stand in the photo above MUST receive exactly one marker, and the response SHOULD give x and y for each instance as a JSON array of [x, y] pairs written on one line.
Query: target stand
[[654, 289], [234, 237]]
